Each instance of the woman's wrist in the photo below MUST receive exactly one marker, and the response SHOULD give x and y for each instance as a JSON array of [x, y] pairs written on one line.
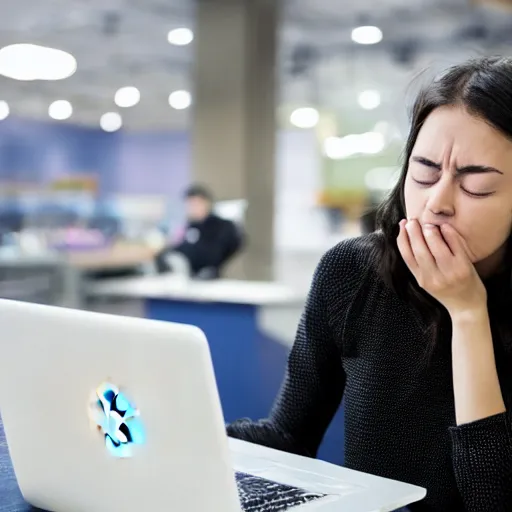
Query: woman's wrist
[[469, 314]]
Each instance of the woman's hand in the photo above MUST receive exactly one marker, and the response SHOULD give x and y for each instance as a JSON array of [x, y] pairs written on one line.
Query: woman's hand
[[442, 264], [440, 260]]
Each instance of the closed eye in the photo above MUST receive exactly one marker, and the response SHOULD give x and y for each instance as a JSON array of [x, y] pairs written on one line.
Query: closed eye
[[429, 173], [466, 191], [425, 183], [435, 168], [477, 194]]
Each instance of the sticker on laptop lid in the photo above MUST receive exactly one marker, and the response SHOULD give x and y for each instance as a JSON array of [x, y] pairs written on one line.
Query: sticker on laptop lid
[[117, 419]]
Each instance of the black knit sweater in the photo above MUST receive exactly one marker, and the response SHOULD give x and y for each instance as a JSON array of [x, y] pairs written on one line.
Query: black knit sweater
[[359, 341]]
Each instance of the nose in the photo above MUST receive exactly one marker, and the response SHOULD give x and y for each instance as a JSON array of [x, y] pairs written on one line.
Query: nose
[[441, 198]]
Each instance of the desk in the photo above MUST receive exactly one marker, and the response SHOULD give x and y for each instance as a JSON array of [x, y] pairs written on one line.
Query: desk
[[249, 358], [36, 278], [118, 256], [80, 264], [59, 278], [10, 496]]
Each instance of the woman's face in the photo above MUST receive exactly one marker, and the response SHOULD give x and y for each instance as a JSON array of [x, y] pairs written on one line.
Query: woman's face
[[460, 173]]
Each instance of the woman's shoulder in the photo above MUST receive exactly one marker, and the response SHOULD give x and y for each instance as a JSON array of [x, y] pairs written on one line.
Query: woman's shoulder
[[346, 268], [352, 258]]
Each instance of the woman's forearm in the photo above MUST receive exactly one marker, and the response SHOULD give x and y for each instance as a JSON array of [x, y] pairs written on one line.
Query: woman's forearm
[[475, 378]]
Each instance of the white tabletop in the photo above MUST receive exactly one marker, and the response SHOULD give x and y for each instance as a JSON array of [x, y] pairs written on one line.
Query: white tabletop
[[178, 288]]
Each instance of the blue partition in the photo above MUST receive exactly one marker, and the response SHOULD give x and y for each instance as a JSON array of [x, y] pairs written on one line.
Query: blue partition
[[249, 365]]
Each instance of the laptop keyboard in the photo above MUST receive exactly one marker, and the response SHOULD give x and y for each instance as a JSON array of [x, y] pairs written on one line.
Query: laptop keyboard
[[261, 495]]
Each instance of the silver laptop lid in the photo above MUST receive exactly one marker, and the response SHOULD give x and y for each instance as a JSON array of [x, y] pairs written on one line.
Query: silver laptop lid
[[111, 413]]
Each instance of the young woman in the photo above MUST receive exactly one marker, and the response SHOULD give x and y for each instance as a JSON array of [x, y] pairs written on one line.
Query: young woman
[[412, 325]]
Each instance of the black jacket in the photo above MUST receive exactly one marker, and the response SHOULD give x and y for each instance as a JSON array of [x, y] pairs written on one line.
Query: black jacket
[[207, 245]]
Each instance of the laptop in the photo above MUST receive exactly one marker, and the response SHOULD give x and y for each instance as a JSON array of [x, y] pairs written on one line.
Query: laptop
[[106, 413]]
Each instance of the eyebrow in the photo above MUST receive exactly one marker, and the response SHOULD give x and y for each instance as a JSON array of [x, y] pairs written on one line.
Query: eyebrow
[[467, 169]]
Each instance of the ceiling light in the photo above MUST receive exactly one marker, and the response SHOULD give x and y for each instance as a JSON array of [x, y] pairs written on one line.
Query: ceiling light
[[371, 143], [32, 62], [180, 36], [4, 110], [180, 100], [127, 97], [367, 35], [338, 148], [369, 99], [111, 121], [305, 117], [60, 110]]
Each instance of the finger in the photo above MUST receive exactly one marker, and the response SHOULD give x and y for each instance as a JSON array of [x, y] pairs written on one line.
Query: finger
[[404, 246], [437, 245], [419, 247], [455, 242]]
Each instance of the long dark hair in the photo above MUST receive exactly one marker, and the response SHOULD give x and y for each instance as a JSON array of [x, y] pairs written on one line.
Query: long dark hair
[[484, 88]]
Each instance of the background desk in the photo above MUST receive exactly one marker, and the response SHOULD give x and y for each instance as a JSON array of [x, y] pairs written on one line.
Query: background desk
[[60, 278], [117, 256], [39, 278], [241, 321]]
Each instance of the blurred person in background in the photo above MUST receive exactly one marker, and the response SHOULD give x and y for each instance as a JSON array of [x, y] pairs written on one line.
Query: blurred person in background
[[412, 325], [208, 241]]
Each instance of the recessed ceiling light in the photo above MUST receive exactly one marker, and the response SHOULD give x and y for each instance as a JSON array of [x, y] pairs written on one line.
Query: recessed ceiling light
[[180, 100], [372, 143], [369, 100], [338, 148], [180, 36], [4, 110], [127, 97], [32, 62], [305, 117], [367, 35], [111, 121], [60, 110]]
